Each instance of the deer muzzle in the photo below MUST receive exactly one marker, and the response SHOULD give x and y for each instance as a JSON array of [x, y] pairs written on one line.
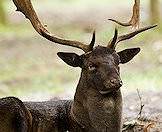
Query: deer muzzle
[[112, 85], [116, 83]]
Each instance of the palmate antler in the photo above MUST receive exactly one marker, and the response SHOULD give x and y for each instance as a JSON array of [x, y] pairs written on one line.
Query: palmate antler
[[25, 6]]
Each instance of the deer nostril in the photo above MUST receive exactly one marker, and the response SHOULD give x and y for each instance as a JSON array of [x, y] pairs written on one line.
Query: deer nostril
[[116, 82], [113, 81], [121, 83]]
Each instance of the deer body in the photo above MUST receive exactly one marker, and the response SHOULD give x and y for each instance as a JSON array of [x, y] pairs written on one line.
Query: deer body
[[97, 104], [91, 110]]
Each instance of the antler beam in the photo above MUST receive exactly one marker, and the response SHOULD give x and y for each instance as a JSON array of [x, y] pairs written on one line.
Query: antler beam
[[25, 6]]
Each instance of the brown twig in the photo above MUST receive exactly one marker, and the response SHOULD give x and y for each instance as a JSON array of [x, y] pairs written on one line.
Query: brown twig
[[141, 105]]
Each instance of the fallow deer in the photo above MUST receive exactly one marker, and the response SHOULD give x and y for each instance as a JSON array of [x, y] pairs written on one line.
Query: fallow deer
[[97, 104]]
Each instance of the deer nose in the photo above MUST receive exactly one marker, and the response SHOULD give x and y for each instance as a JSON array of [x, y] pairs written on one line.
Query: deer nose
[[116, 82]]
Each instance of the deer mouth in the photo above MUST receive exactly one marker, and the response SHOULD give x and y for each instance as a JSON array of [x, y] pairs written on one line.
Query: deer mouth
[[104, 92], [109, 90]]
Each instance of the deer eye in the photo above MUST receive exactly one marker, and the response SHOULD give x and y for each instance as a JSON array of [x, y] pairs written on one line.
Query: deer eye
[[92, 67]]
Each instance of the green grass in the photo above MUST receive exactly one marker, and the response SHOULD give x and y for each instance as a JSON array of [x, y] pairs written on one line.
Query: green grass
[[148, 80]]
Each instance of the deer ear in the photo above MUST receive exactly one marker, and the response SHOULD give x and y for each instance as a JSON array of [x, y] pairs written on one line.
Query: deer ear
[[128, 54], [71, 59]]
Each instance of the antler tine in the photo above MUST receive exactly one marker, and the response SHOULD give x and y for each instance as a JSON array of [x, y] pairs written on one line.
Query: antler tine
[[112, 44], [25, 6], [92, 41], [125, 24], [134, 21], [132, 34]]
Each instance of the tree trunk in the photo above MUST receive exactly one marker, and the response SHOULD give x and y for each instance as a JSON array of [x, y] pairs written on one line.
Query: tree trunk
[[154, 11], [2, 13]]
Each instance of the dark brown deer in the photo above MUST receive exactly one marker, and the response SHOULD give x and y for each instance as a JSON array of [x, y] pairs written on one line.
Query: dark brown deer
[[97, 105]]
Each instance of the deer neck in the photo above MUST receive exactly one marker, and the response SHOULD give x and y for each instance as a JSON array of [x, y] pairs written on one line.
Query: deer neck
[[95, 111]]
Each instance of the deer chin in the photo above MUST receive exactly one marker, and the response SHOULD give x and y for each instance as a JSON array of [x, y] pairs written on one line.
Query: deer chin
[[110, 90], [104, 92]]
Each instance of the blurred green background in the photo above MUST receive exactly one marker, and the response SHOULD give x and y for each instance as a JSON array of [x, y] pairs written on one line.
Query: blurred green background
[[30, 68]]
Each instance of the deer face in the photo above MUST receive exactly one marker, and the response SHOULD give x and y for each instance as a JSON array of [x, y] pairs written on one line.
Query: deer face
[[100, 67]]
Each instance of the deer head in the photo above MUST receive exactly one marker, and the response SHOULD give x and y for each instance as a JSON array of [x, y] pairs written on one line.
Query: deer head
[[100, 65]]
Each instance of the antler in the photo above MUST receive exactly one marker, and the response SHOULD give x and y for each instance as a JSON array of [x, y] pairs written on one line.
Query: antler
[[25, 6], [113, 42], [134, 22]]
